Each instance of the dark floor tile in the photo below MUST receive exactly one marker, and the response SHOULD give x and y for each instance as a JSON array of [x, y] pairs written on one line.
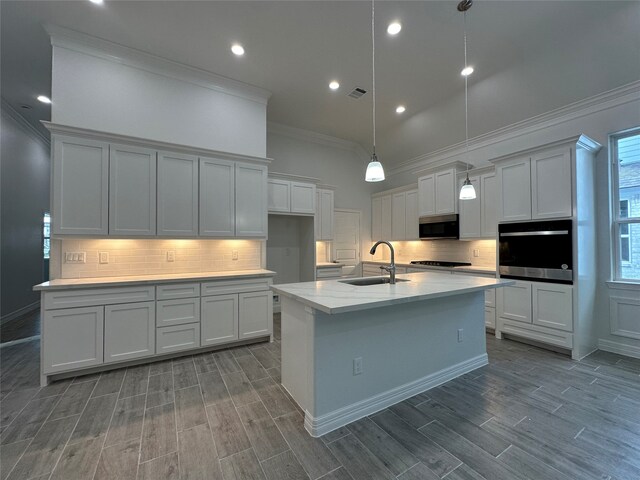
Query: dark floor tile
[[205, 363], [335, 435], [265, 357], [358, 460], [55, 388], [273, 397], [110, 382], [14, 403], [337, 474], [160, 390], [226, 362], [135, 382], [163, 366], [158, 432], [9, 456], [119, 462], [79, 461], [251, 367], [95, 419], [29, 421], [213, 388], [126, 423], [420, 472], [228, 433], [73, 400], [529, 466], [184, 375], [284, 467], [190, 408], [262, 431], [198, 457], [162, 468], [242, 466], [240, 389]]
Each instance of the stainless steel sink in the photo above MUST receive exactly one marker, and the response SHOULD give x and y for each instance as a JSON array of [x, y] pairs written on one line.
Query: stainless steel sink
[[364, 282]]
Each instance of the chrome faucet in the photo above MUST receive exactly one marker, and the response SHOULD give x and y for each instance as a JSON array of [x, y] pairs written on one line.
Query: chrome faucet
[[391, 268]]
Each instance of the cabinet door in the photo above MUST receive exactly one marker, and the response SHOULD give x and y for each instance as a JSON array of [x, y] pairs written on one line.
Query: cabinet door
[[427, 195], [303, 198], [326, 214], [553, 306], [514, 302], [80, 187], [218, 319], [399, 216], [514, 190], [251, 200], [488, 206], [471, 212], [386, 218], [177, 195], [551, 184], [446, 193], [72, 338], [279, 195], [317, 223], [411, 216], [376, 219], [129, 331], [217, 198], [132, 191], [256, 314]]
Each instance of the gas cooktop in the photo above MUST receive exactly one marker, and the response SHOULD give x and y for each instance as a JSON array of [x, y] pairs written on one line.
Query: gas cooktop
[[436, 263]]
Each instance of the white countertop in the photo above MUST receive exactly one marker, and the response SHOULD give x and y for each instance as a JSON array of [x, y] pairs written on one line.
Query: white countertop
[[94, 282], [468, 268], [333, 296]]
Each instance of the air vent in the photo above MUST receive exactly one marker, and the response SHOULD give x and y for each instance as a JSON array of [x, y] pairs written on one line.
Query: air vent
[[357, 92]]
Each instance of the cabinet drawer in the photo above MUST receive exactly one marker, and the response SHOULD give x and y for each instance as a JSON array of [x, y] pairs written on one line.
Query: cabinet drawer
[[225, 287], [177, 312], [179, 290], [490, 298], [97, 296], [177, 338], [329, 272]]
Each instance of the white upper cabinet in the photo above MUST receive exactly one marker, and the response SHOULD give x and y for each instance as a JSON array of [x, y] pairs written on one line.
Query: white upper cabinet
[[132, 191], [411, 216], [217, 198], [514, 189], [551, 184], [279, 195], [303, 198], [488, 205], [427, 195], [80, 186], [324, 214], [251, 200], [446, 198], [398, 216], [385, 231], [376, 218], [471, 211], [177, 195]]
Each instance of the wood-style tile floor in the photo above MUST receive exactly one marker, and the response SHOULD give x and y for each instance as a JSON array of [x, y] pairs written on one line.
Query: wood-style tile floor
[[530, 414]]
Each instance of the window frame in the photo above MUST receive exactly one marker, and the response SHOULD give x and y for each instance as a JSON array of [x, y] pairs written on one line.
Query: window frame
[[616, 220]]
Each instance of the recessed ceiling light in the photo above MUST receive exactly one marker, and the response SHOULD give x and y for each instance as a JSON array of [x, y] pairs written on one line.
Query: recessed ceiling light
[[237, 49], [97, 2], [394, 28], [400, 109], [334, 85], [466, 71], [44, 99]]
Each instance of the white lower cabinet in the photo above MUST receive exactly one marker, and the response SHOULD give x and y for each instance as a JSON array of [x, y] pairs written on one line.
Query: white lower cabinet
[[177, 312], [515, 302], [490, 317], [177, 338], [219, 319], [129, 331], [254, 319], [553, 306], [72, 338]]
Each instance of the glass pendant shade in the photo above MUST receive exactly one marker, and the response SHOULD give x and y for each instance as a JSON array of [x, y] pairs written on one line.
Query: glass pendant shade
[[375, 172], [467, 192]]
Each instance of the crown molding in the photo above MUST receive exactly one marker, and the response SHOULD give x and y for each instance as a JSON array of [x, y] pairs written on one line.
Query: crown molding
[[580, 141], [24, 123], [314, 137], [293, 178], [131, 57], [588, 106]]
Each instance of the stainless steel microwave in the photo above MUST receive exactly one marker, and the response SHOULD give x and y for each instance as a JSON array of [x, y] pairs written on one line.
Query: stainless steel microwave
[[540, 251], [439, 227]]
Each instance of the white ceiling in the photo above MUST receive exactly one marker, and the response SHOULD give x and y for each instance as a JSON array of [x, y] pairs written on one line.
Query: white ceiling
[[295, 48]]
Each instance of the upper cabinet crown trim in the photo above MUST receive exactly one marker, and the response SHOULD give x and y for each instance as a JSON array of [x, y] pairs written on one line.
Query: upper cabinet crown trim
[[97, 47], [57, 129], [580, 141], [293, 178]]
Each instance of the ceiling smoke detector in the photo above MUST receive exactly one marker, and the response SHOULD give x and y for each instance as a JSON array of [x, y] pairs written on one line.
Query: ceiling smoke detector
[[357, 92]]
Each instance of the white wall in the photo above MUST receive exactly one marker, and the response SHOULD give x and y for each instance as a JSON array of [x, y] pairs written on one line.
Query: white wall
[[25, 197], [106, 94], [332, 161]]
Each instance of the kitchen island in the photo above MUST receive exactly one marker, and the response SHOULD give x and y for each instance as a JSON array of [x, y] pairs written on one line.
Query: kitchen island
[[351, 350]]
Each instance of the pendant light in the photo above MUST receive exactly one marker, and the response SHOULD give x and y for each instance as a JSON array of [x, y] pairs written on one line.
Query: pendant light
[[375, 172], [467, 192]]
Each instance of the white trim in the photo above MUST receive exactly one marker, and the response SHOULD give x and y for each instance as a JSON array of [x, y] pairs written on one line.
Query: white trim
[[293, 178], [19, 341], [588, 106], [28, 128], [623, 285], [345, 415], [613, 317], [310, 136], [113, 52], [20, 312], [619, 348]]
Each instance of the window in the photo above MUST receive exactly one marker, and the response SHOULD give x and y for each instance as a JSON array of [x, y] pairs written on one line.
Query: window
[[46, 234], [625, 161]]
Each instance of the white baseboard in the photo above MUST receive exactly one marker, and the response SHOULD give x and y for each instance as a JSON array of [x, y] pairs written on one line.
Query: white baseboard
[[21, 311], [619, 348], [345, 415]]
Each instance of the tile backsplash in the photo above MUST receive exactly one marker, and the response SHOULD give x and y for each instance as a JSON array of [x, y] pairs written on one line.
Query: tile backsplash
[[148, 257], [444, 250]]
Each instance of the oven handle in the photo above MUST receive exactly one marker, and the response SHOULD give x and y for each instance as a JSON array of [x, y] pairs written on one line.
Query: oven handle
[[531, 234]]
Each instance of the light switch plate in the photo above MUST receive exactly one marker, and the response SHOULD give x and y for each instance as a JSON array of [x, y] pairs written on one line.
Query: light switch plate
[[104, 257], [476, 252], [234, 254], [75, 257], [171, 256]]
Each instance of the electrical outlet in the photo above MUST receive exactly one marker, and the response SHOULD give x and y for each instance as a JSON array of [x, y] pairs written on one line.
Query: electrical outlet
[[75, 257], [357, 366], [104, 257], [460, 335], [234, 254], [476, 252], [171, 256]]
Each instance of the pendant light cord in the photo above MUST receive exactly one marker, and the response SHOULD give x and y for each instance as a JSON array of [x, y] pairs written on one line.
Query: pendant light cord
[[373, 69], [466, 97]]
